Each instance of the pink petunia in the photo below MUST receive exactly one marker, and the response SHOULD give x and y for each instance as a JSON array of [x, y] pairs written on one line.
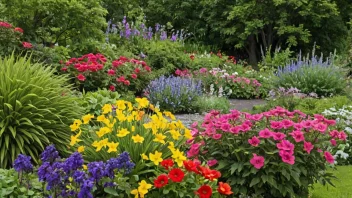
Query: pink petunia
[[334, 134], [266, 133], [276, 125], [254, 141], [285, 145], [287, 157], [298, 136], [217, 136], [212, 162], [329, 158], [333, 142], [278, 136], [342, 135], [257, 161], [308, 147], [287, 123], [320, 127]]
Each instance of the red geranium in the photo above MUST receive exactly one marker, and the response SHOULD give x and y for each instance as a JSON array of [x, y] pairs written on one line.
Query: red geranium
[[127, 82], [191, 166], [137, 70], [224, 189], [176, 175], [5, 24], [167, 163], [80, 77], [112, 88], [27, 45], [17, 29], [209, 174], [134, 76], [161, 181], [204, 191]]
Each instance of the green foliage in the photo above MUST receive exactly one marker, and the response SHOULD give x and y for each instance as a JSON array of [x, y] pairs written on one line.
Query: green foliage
[[14, 186], [93, 102], [324, 81], [271, 61], [207, 103], [36, 109], [10, 39], [67, 22]]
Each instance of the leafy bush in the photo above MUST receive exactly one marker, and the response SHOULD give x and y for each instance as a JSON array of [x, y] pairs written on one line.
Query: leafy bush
[[148, 137], [207, 103], [10, 39], [174, 94], [36, 109], [93, 102], [12, 186], [273, 61], [322, 78], [273, 154]]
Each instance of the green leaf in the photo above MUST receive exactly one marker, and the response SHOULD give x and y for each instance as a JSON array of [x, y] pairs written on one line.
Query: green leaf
[[254, 181], [111, 191]]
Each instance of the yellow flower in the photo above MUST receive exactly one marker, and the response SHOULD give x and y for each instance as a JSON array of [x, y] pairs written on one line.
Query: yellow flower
[[122, 133], [188, 134], [144, 156], [76, 124], [99, 145], [137, 139], [135, 192], [85, 167], [80, 149], [107, 108], [121, 117], [101, 118], [108, 123], [87, 118], [121, 105], [112, 147], [178, 157], [159, 138], [133, 128], [74, 139], [156, 157], [102, 131], [143, 187], [142, 102], [171, 146], [130, 118], [151, 107], [130, 107], [170, 115], [175, 134]]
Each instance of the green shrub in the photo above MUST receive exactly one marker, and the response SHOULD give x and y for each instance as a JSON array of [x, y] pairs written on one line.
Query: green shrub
[[93, 102], [12, 187], [207, 103], [36, 109]]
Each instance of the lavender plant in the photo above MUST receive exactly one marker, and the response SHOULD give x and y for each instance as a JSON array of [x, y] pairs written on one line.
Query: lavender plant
[[312, 75], [175, 94]]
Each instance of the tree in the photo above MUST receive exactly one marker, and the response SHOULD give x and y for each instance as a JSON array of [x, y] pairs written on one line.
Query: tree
[[57, 21], [252, 24]]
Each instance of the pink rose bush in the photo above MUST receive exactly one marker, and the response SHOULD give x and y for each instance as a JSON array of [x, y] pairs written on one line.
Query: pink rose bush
[[93, 71], [277, 153]]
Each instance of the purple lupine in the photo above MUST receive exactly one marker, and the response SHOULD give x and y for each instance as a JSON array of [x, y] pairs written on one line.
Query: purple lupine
[[23, 163], [127, 31], [163, 35], [157, 27]]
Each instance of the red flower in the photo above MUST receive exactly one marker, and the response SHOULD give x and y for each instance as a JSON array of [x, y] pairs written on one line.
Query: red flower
[[27, 45], [126, 82], [4, 24], [191, 57], [204, 191], [111, 72], [167, 163], [121, 79], [20, 30], [80, 77], [137, 70], [112, 88], [64, 69], [161, 181], [209, 174], [116, 63], [191, 166], [147, 68], [134, 76], [224, 189], [176, 175]]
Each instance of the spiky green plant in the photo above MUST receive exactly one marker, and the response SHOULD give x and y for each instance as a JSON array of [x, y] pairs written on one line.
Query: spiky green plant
[[36, 109]]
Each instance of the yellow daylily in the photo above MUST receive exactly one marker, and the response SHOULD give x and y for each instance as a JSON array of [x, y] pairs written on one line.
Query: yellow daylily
[[142, 102], [135, 193], [107, 108], [87, 118], [144, 156], [133, 128], [112, 146], [102, 131], [170, 115], [74, 139], [156, 157], [178, 157], [99, 145], [101, 118], [76, 124], [121, 104], [175, 134], [143, 187], [122, 132], [188, 134], [137, 139], [159, 138], [80, 149]]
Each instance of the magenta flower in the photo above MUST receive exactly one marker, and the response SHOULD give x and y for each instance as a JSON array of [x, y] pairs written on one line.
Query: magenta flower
[[298, 136], [80, 77], [278, 136], [329, 158], [254, 141], [216, 136], [287, 123], [334, 134], [285, 145], [308, 147], [111, 72], [287, 157], [212, 162], [320, 127], [333, 142], [266, 133], [276, 125], [257, 161], [342, 136]]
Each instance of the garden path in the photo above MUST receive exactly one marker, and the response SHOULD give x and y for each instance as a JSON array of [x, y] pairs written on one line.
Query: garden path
[[188, 119]]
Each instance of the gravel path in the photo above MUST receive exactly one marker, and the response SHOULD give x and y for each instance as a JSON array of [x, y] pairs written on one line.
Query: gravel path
[[188, 119]]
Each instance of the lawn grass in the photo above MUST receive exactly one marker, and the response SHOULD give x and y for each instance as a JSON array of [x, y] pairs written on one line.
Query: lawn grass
[[343, 185]]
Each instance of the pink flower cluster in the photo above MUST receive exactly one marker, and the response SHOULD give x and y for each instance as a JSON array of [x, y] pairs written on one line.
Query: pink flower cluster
[[291, 132], [183, 73], [245, 80], [6, 25]]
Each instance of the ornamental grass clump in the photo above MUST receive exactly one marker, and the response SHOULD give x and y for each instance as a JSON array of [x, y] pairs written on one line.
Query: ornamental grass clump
[[36, 109], [140, 129], [277, 153], [312, 76], [175, 94]]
